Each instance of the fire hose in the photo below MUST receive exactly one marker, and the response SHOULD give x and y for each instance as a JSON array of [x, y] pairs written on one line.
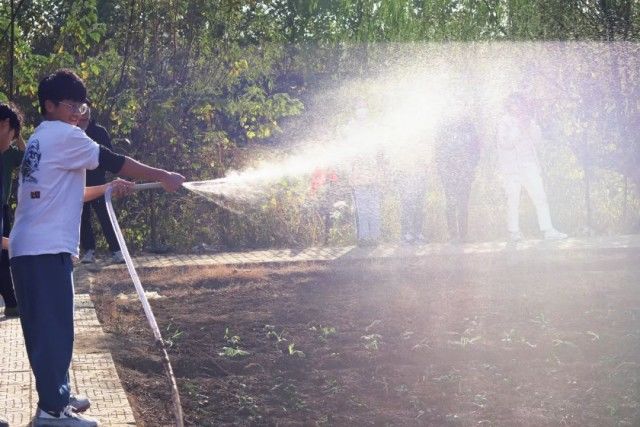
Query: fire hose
[[175, 395]]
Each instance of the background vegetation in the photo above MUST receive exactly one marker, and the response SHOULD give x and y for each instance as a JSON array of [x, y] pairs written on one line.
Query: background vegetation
[[202, 86]]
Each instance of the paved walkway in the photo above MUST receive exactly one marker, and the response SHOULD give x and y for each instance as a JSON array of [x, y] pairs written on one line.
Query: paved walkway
[[93, 372], [353, 253]]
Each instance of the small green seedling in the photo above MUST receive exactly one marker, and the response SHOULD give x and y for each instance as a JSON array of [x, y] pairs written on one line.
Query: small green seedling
[[232, 349], [324, 332], [233, 352], [293, 352], [232, 340], [273, 335], [175, 335], [372, 342]]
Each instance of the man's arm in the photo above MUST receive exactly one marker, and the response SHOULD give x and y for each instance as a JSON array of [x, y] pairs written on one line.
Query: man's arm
[[126, 166], [93, 192], [120, 188], [170, 181]]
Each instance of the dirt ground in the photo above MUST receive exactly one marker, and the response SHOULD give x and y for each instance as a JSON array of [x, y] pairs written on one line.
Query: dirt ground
[[475, 340]]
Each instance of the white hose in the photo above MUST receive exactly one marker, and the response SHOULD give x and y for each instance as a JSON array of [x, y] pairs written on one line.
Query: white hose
[[175, 395]]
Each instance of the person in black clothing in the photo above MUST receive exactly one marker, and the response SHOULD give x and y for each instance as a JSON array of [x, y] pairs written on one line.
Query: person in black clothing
[[96, 177], [10, 124], [457, 154]]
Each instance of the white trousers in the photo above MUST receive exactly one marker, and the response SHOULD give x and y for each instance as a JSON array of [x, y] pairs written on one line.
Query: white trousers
[[529, 177], [368, 212]]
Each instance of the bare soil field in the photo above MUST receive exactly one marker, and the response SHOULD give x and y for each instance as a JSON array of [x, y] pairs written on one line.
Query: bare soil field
[[529, 339]]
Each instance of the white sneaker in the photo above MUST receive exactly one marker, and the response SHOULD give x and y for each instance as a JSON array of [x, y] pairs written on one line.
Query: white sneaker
[[89, 257], [66, 418], [554, 234], [117, 257], [515, 237], [79, 403]]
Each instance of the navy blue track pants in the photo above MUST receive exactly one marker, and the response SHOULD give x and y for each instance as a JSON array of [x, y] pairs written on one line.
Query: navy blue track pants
[[44, 289]]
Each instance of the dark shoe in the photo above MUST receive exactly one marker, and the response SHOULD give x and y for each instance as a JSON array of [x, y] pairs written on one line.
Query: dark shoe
[[117, 258], [515, 237], [89, 257], [4, 422], [11, 312], [79, 403], [66, 418]]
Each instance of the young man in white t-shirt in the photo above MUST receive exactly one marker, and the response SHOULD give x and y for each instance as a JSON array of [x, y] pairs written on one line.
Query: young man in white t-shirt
[[46, 235]]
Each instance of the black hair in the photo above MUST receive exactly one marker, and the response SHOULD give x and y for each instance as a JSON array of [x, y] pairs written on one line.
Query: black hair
[[63, 84], [11, 112]]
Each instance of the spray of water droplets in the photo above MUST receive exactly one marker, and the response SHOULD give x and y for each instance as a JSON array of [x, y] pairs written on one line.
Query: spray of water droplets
[[413, 91]]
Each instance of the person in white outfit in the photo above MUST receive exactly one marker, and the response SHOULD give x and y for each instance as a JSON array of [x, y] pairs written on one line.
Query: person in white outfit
[[518, 134]]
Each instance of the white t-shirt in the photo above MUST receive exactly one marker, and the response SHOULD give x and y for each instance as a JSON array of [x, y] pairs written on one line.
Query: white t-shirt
[[51, 190], [516, 145]]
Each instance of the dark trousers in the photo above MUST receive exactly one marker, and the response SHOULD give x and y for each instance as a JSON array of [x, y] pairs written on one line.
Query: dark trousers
[[6, 284], [457, 198], [87, 239], [44, 287], [412, 212], [324, 206]]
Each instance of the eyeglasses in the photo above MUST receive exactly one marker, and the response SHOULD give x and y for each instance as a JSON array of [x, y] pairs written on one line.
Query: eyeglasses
[[81, 109]]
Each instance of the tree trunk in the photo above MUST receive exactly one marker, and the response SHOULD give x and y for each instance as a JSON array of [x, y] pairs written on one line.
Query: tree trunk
[[12, 41]]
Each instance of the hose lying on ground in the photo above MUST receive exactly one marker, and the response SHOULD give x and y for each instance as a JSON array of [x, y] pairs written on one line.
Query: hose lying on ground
[[175, 395]]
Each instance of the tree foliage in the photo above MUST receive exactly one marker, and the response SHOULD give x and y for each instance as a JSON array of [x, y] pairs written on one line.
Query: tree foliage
[[193, 83]]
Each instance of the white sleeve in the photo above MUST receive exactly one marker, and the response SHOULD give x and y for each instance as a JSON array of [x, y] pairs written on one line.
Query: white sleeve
[[536, 134], [79, 151], [504, 137]]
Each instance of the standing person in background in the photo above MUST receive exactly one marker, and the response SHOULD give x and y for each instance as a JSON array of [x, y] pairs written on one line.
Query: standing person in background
[[410, 181], [96, 177], [457, 154], [10, 125], [324, 182], [366, 171], [518, 134]]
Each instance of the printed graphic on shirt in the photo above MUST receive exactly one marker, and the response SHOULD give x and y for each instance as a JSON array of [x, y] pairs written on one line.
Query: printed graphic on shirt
[[31, 162]]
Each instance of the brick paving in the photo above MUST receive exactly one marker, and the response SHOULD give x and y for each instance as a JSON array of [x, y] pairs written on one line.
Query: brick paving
[[353, 253], [93, 372]]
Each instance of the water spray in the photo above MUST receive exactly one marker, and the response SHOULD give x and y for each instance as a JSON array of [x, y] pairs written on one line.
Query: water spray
[[232, 193]]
